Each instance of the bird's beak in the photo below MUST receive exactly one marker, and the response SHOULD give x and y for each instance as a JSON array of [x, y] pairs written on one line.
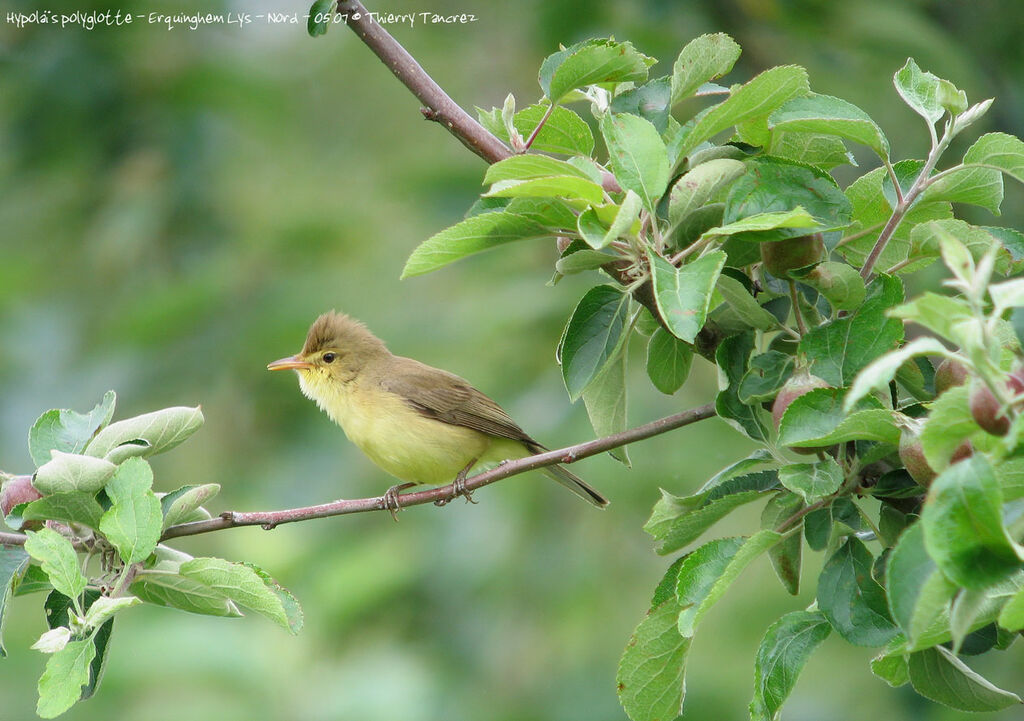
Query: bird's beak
[[292, 362]]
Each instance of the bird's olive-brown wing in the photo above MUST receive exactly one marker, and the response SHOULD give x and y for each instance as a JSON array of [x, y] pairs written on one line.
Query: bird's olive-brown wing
[[447, 397]]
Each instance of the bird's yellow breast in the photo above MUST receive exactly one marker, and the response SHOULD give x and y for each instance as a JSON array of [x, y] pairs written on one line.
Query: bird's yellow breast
[[395, 436]]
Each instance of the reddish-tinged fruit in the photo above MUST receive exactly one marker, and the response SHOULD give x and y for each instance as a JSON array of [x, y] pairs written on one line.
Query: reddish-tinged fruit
[[17, 489], [781, 256], [964, 450], [949, 374], [985, 410], [913, 458], [800, 383]]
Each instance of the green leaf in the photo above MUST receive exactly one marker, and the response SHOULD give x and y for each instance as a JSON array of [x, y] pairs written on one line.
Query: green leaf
[[650, 101], [999, 150], [178, 506], [963, 525], [668, 361], [163, 430], [684, 294], [70, 507], [703, 59], [650, 676], [168, 588], [937, 674], [675, 522], [891, 668], [840, 283], [58, 614], [733, 357], [605, 399], [66, 430], [841, 348], [67, 671], [13, 560], [708, 572], [948, 424], [768, 372], [134, 521], [827, 115], [321, 15], [877, 375], [929, 96], [786, 555], [564, 132], [977, 186], [817, 418], [590, 62], [529, 166], [796, 219], [583, 260], [774, 187], [821, 151], [597, 234], [472, 235], [290, 604], [58, 559], [812, 481], [571, 187], [748, 309], [939, 313], [758, 97], [592, 335], [1012, 615], [72, 472], [104, 608], [241, 584], [851, 599], [918, 592], [782, 655], [637, 156], [702, 183]]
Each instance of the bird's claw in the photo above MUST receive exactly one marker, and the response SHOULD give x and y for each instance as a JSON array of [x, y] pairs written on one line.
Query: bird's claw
[[389, 501]]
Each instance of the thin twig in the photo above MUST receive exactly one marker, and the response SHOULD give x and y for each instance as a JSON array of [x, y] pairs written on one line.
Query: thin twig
[[439, 106], [440, 496], [404, 67], [543, 120]]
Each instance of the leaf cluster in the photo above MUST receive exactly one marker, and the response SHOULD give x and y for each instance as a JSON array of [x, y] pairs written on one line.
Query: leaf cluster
[[94, 523]]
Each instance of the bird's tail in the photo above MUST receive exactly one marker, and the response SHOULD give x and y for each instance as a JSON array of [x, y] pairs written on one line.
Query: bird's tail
[[576, 484]]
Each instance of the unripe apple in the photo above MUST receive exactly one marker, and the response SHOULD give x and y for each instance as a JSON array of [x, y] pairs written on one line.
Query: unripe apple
[[800, 383], [912, 455], [16, 490], [985, 410], [781, 256], [949, 374]]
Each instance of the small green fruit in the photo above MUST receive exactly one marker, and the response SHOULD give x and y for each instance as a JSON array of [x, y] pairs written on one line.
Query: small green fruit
[[985, 410], [781, 256]]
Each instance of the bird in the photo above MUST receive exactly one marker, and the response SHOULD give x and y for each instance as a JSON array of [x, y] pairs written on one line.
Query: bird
[[421, 424]]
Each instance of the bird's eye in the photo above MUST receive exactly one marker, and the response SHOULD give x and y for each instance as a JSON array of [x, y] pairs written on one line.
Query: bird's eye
[[329, 357]]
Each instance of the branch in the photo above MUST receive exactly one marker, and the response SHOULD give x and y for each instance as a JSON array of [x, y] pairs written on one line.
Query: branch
[[438, 104], [440, 496]]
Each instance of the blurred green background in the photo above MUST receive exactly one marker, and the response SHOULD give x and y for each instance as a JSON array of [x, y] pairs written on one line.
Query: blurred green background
[[177, 206]]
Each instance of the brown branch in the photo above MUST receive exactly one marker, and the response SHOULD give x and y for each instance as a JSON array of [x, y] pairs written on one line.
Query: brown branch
[[269, 519], [439, 106], [440, 496]]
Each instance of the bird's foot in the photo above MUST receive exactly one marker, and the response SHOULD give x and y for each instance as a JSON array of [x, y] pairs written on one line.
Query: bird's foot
[[389, 501], [459, 484]]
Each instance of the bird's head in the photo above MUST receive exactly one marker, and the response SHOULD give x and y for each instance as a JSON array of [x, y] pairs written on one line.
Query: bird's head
[[336, 351]]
